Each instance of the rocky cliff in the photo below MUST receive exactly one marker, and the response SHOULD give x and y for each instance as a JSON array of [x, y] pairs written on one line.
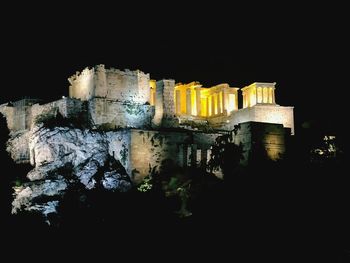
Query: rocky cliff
[[63, 156]]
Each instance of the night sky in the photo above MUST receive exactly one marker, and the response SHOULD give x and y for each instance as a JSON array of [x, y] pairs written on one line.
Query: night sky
[[302, 48]]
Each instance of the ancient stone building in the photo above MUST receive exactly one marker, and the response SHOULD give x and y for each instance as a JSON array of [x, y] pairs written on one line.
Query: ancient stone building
[[157, 120]]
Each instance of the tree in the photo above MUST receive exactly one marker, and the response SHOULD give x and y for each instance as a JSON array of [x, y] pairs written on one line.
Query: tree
[[5, 174], [226, 155]]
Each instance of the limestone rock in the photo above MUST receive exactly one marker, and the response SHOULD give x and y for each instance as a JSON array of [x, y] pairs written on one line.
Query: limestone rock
[[62, 156]]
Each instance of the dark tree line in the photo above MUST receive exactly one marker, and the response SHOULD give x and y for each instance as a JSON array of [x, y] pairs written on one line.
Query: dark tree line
[[6, 172]]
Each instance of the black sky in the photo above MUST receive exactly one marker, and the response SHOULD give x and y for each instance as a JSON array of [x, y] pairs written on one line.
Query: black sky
[[303, 48]]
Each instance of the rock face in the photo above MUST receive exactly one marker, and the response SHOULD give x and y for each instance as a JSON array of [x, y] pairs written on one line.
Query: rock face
[[62, 156]]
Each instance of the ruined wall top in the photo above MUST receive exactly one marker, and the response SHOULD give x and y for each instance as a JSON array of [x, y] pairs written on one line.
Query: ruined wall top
[[113, 84]]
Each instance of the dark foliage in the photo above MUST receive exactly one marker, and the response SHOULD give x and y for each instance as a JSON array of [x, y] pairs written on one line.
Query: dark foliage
[[55, 119], [6, 174], [289, 211]]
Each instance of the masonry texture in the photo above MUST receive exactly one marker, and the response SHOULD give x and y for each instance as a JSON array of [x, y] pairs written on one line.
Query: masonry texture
[[147, 122]]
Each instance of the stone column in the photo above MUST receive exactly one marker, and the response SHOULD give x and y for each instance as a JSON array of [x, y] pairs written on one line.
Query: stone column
[[198, 157], [188, 102], [213, 105], [189, 154], [184, 155], [220, 102], [178, 102], [208, 105], [246, 99], [208, 155], [244, 103], [273, 96], [268, 95], [258, 91], [264, 95], [198, 101], [203, 157], [164, 103], [224, 102], [193, 155], [181, 155]]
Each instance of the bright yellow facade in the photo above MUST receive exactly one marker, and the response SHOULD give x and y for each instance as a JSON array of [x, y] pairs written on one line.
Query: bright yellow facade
[[193, 99], [258, 93], [153, 86]]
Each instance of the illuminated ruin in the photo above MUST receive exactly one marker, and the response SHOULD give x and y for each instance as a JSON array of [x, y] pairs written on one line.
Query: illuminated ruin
[[138, 107]]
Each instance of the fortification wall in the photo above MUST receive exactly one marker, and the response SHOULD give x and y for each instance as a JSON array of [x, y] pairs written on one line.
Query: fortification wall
[[261, 140], [128, 86], [82, 85], [120, 115], [275, 114], [113, 84], [18, 114], [149, 149], [258, 113], [67, 107], [228, 122], [164, 104]]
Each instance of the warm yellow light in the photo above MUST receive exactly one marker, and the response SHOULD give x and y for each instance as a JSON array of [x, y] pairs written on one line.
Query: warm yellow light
[[193, 102], [265, 95], [177, 100], [209, 106], [204, 107], [231, 102], [152, 84], [220, 102], [259, 91], [216, 103], [270, 95], [252, 97], [183, 101]]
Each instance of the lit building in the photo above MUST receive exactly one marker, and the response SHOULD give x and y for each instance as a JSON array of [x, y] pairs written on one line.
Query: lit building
[[114, 99], [194, 100]]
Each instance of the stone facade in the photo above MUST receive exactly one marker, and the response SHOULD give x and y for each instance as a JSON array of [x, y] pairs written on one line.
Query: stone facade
[[113, 84], [67, 107], [261, 140], [151, 121], [273, 114], [164, 104], [22, 115], [141, 151], [115, 114], [121, 99], [18, 114]]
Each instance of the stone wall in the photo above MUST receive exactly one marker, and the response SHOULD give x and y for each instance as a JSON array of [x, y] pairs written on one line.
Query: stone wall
[[67, 107], [258, 113], [164, 104], [82, 84], [275, 114], [148, 149], [260, 140], [120, 114], [113, 84], [18, 114]]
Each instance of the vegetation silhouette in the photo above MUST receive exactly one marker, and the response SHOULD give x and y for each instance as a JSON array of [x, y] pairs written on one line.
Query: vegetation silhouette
[[294, 209]]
